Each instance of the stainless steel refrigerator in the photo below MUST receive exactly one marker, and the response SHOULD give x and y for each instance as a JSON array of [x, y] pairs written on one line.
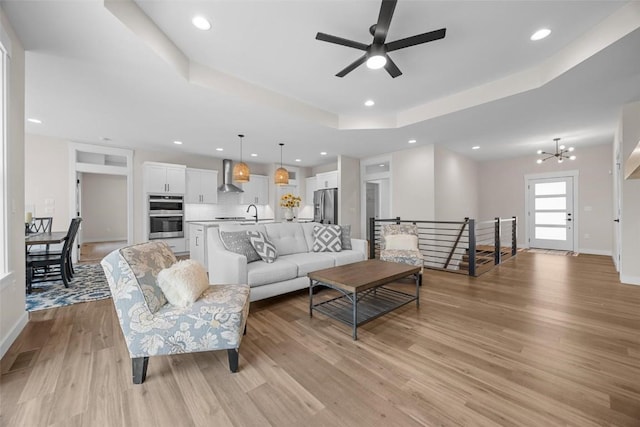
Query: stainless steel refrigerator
[[325, 206]]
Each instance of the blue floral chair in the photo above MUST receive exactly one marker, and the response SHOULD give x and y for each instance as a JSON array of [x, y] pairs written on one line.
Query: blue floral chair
[[399, 243], [152, 327]]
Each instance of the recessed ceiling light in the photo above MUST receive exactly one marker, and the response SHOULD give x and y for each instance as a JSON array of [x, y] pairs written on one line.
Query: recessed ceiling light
[[219, 149], [475, 147], [36, 121], [369, 103], [540, 34], [201, 23], [254, 155], [298, 160], [412, 141], [177, 142], [323, 153]]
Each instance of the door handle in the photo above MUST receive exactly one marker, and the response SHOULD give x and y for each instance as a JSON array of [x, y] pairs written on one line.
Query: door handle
[[616, 220]]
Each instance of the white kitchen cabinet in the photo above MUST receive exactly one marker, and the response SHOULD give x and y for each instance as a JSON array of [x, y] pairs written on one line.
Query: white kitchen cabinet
[[202, 186], [311, 186], [327, 180], [197, 243], [164, 178], [256, 191]]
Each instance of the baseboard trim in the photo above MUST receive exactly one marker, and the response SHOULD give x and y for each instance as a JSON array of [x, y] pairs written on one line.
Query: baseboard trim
[[630, 280], [595, 252], [13, 333]]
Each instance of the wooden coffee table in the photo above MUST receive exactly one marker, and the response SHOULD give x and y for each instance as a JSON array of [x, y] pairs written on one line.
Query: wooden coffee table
[[363, 294]]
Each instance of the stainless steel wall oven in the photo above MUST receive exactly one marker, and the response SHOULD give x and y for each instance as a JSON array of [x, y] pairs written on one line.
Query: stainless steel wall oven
[[166, 216]]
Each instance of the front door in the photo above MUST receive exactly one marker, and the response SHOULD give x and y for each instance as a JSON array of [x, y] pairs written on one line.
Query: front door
[[551, 222]]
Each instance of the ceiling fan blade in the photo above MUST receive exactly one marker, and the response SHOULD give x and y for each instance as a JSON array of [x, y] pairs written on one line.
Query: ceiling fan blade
[[355, 64], [392, 68], [414, 40], [339, 40], [384, 20]]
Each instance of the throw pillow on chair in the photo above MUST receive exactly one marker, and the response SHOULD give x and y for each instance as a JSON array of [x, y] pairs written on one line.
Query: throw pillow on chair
[[183, 282]]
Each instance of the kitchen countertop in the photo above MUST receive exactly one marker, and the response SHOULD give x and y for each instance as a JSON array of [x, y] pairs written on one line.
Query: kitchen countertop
[[215, 222]]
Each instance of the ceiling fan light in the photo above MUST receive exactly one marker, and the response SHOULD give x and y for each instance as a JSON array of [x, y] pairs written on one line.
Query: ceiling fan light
[[560, 160], [572, 158], [539, 151], [570, 149], [375, 62], [539, 161], [562, 147]]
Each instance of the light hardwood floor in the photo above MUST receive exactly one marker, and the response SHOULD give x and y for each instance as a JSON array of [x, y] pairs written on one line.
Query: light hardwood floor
[[542, 340]]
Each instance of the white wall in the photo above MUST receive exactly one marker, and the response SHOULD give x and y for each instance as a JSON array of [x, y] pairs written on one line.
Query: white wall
[[46, 179], [412, 183], [456, 186], [630, 218], [501, 192], [349, 193], [98, 223], [13, 315]]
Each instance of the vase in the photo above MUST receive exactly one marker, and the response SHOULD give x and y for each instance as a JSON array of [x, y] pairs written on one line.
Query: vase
[[288, 214]]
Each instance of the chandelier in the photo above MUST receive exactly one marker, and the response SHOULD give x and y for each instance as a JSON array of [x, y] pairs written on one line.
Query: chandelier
[[560, 154]]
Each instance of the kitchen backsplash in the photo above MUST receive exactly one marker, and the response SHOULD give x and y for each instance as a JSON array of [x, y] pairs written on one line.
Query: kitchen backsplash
[[228, 205]]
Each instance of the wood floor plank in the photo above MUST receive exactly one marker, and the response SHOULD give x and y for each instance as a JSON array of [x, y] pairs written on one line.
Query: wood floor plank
[[541, 340]]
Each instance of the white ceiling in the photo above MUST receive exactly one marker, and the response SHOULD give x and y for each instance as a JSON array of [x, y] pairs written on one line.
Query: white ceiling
[[141, 75]]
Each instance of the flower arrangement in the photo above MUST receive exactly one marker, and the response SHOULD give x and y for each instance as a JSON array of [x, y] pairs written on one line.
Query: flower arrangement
[[290, 201]]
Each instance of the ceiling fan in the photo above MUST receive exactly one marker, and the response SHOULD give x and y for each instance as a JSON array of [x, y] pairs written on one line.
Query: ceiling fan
[[376, 53]]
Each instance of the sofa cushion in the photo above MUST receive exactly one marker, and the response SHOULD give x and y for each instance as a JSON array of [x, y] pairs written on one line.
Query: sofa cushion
[[345, 257], [260, 273], [146, 260], [327, 238], [307, 229], [309, 261], [183, 282], [346, 237], [238, 242], [288, 237], [263, 246], [406, 242]]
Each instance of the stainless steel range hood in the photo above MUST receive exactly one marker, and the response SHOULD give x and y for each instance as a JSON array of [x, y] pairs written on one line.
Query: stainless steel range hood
[[227, 178]]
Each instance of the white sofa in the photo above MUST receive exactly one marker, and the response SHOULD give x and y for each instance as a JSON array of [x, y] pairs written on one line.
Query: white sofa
[[294, 243]]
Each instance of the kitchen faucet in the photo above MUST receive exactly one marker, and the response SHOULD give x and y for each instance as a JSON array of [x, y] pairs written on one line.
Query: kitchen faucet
[[254, 206]]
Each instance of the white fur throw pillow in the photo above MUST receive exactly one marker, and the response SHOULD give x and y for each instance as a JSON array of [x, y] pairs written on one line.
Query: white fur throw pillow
[[406, 242], [183, 282]]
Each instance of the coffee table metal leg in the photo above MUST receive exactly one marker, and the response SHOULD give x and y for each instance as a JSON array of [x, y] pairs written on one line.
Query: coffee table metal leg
[[310, 298], [355, 316], [417, 289]]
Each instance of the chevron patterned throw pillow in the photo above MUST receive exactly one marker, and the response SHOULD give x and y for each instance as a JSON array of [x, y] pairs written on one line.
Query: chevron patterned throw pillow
[[263, 246], [327, 238]]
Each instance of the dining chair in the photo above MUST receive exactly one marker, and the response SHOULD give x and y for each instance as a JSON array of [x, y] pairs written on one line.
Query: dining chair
[[53, 266], [40, 224]]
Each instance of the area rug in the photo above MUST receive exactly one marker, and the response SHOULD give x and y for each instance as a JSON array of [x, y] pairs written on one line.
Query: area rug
[[552, 252], [88, 284]]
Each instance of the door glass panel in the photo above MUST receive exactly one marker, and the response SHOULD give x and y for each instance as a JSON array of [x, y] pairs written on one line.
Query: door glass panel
[[551, 218], [551, 233], [551, 188], [551, 203]]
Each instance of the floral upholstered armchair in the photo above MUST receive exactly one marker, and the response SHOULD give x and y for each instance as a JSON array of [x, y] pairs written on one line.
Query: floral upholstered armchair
[[153, 327], [399, 243]]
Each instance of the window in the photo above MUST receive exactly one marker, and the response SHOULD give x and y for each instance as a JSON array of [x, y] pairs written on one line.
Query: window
[[4, 58]]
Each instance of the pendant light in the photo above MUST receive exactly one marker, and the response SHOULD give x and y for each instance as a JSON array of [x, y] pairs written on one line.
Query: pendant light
[[560, 154], [241, 170], [282, 175]]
